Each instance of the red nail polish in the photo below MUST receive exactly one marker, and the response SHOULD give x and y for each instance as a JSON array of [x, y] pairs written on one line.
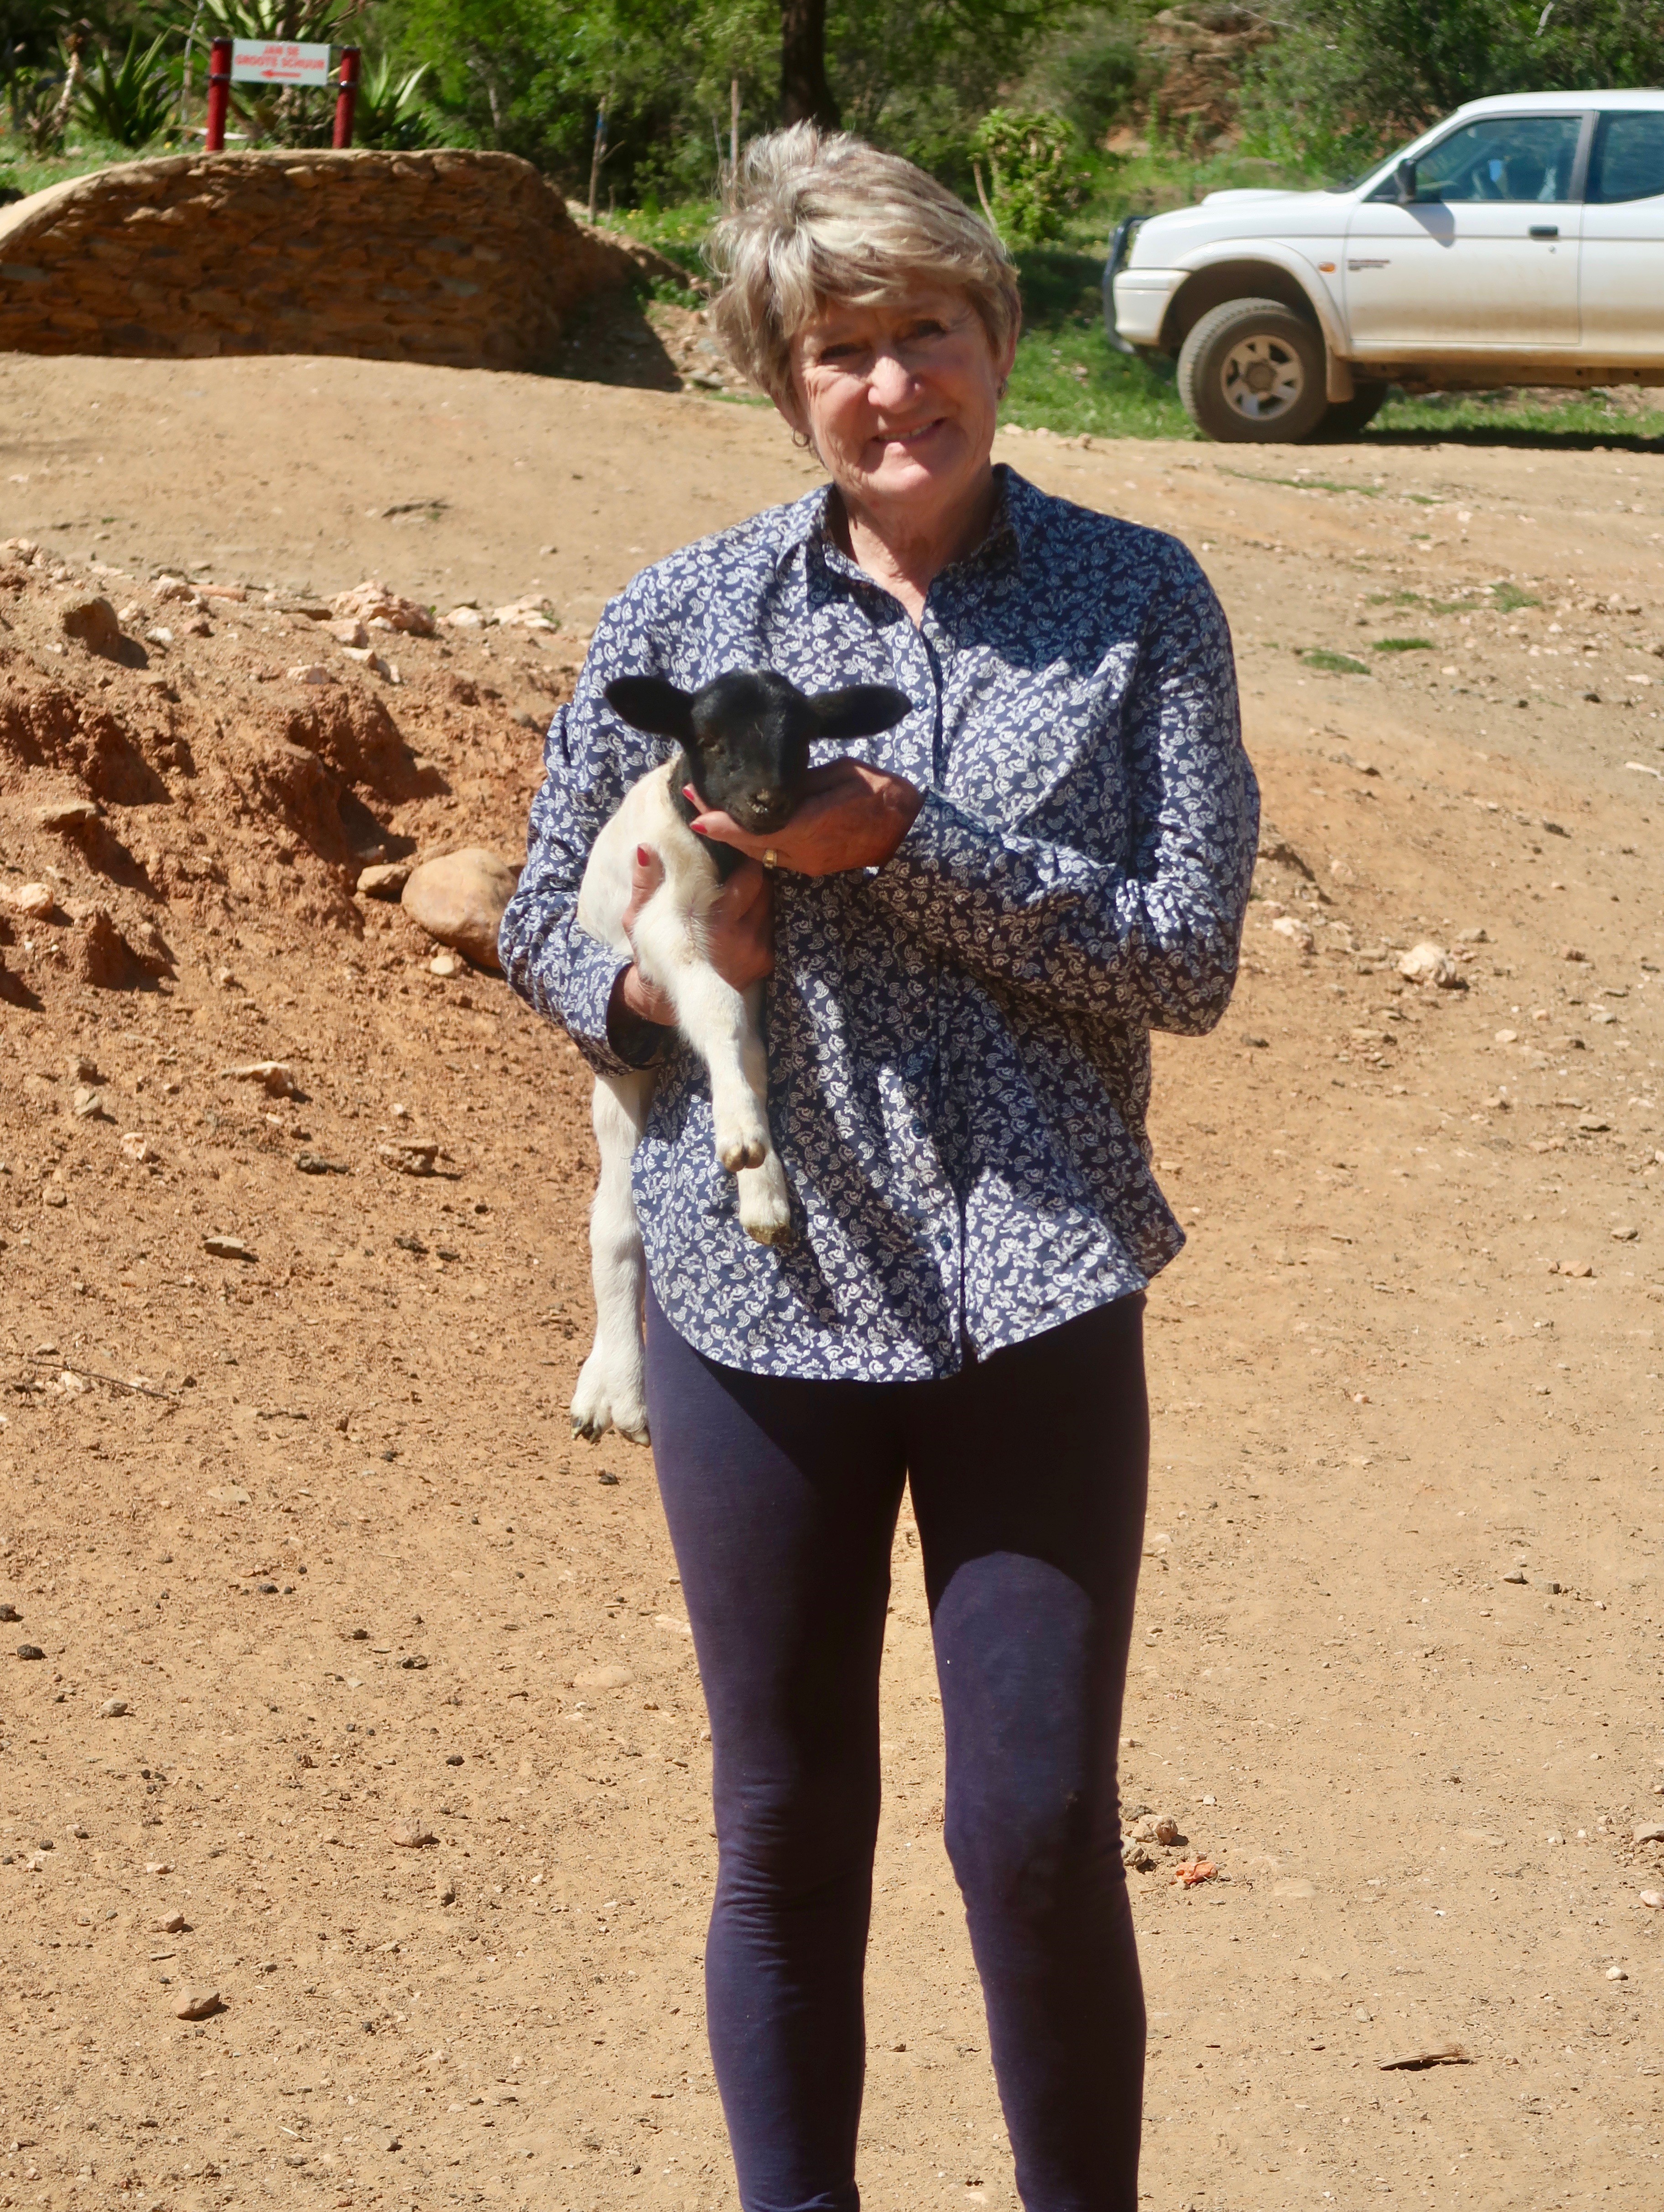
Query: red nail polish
[[642, 856], [698, 829], [691, 794]]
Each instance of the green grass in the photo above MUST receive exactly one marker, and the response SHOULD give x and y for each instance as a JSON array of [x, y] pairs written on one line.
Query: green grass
[[1333, 664], [23, 171], [1402, 644]]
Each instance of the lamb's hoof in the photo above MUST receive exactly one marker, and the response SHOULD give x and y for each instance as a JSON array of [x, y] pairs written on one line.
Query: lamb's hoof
[[598, 1406], [765, 1204], [735, 1151], [594, 1426], [779, 1234]]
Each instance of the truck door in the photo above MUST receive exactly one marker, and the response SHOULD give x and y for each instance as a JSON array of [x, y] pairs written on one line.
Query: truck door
[[1485, 256], [1622, 252]]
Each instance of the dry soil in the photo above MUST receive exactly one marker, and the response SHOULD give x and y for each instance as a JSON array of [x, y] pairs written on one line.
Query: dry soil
[[311, 1519]]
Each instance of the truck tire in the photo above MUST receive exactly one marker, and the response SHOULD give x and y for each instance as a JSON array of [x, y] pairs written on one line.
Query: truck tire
[[1345, 418], [1253, 372]]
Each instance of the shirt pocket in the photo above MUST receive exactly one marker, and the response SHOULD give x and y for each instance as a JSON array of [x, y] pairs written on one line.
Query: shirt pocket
[[1039, 751]]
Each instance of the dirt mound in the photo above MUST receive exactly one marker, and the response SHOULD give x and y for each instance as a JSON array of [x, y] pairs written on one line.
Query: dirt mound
[[218, 749]]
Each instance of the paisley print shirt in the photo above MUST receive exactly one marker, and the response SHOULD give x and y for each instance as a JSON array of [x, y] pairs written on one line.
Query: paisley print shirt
[[958, 1040]]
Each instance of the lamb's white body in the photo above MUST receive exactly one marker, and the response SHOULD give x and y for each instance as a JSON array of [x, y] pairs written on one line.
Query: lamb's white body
[[723, 1027]]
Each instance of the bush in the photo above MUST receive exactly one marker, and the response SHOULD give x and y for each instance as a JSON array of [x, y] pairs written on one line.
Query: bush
[[1032, 178], [133, 101]]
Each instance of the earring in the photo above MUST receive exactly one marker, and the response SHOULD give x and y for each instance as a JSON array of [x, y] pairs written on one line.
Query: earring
[[803, 441]]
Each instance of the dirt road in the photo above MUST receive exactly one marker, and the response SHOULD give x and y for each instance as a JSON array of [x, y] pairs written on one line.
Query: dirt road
[[333, 1554]]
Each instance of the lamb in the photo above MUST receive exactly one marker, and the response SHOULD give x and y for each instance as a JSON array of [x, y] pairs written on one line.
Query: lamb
[[745, 740]]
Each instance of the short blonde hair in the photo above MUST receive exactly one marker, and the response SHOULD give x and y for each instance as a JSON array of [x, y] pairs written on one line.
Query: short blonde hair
[[814, 216]]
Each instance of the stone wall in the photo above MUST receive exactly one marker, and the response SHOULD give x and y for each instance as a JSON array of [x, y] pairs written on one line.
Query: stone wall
[[469, 260]]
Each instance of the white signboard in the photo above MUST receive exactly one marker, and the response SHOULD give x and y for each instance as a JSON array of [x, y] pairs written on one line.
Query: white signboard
[[278, 61]]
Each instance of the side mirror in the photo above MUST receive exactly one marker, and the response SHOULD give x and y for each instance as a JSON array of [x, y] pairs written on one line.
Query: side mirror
[[1404, 177]]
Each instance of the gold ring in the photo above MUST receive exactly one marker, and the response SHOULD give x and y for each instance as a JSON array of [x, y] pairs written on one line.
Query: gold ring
[[770, 857]]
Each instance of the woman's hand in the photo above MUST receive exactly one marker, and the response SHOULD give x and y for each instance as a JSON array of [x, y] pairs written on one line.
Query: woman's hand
[[739, 934], [851, 815]]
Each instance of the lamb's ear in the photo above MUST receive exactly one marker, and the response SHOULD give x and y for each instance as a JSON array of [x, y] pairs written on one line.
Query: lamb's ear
[[649, 703], [860, 710]]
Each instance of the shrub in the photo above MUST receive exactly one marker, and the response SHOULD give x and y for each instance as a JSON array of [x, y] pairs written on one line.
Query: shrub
[[1031, 181]]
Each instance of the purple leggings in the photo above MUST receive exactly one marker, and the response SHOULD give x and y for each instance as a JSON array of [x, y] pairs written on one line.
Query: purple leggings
[[1028, 1473]]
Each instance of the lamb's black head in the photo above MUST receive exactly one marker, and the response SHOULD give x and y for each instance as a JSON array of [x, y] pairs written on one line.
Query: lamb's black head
[[747, 735]]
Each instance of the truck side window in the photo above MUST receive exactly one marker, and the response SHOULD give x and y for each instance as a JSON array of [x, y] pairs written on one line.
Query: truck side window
[[1629, 157], [1502, 157]]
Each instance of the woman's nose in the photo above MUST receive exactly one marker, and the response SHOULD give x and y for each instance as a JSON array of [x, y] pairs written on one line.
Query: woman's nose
[[890, 380]]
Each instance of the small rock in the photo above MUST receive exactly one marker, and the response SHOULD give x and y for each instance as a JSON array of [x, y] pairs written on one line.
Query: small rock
[[198, 2005], [447, 963], [384, 881], [459, 899], [463, 618], [226, 1248], [1515, 1575], [1649, 1832], [412, 1834], [136, 1147], [446, 1890], [532, 612], [1167, 1830], [88, 1105], [78, 1830], [1653, 1900], [113, 1708], [1296, 931], [159, 1866], [1624, 1236], [67, 814], [315, 1164], [373, 602], [101, 956], [275, 1076], [1617, 1973], [1362, 2012], [174, 1926], [34, 901], [30, 1651], [9, 1613], [412, 1155], [312, 672], [1429, 963], [350, 632], [92, 623], [454, 1758]]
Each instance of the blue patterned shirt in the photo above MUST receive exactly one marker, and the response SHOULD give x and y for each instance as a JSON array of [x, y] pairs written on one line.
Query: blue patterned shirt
[[959, 1040]]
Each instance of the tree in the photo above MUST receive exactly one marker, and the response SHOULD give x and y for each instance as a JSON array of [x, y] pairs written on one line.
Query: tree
[[805, 94]]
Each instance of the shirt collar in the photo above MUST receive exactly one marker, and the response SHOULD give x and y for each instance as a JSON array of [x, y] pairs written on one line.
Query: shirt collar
[[1010, 536]]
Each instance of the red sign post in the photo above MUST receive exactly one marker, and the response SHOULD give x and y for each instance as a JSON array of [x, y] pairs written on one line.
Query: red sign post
[[346, 98], [219, 92]]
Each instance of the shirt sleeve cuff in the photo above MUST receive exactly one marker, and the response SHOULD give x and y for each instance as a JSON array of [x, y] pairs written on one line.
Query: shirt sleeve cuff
[[586, 1000]]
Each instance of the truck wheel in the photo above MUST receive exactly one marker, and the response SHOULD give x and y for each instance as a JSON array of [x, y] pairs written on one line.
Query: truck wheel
[[1345, 418], [1253, 371]]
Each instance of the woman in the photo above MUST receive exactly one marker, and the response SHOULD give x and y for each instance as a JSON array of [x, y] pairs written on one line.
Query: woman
[[970, 934]]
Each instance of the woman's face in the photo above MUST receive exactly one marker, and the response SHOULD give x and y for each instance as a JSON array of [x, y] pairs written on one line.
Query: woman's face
[[900, 399]]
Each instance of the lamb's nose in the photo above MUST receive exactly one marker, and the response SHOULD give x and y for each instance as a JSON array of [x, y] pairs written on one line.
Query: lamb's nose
[[766, 797]]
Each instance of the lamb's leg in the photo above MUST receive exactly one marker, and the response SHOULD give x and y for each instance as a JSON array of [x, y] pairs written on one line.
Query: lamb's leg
[[765, 1198], [611, 1386], [714, 1017]]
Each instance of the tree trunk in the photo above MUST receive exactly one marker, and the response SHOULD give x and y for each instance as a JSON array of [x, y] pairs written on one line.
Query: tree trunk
[[804, 94]]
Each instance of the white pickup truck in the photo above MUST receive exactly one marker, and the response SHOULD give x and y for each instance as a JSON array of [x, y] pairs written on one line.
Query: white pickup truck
[[1521, 241]]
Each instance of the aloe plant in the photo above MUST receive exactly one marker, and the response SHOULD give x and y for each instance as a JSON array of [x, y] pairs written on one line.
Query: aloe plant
[[131, 100], [388, 112]]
